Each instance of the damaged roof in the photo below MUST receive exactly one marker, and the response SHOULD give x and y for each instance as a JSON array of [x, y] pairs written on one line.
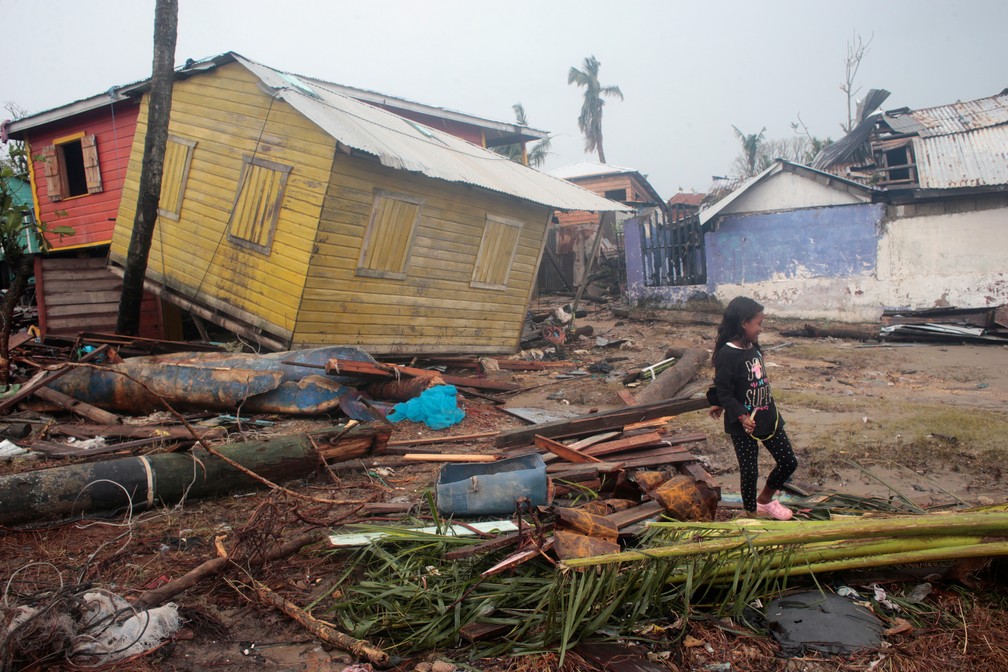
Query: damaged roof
[[964, 144], [402, 144]]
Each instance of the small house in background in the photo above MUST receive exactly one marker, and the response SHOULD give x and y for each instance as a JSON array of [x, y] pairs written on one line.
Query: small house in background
[[684, 204], [572, 234], [914, 219], [78, 154], [297, 216]]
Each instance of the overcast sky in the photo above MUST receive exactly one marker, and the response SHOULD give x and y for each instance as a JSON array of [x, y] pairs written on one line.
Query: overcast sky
[[688, 70]]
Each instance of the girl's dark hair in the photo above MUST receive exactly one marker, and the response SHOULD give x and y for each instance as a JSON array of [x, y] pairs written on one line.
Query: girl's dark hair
[[741, 309]]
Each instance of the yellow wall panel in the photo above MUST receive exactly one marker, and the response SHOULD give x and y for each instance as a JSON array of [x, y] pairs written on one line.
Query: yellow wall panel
[[434, 308], [226, 114]]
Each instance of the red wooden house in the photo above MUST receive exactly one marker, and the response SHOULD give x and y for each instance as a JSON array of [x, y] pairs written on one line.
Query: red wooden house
[[78, 156]]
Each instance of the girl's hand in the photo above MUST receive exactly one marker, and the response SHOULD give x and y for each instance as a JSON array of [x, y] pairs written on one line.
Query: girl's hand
[[715, 412], [748, 424]]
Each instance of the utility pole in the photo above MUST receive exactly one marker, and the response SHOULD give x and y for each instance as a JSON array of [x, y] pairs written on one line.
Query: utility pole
[[158, 113]]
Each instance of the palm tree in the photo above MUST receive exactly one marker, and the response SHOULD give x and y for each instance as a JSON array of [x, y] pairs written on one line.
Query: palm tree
[[537, 155], [752, 159], [590, 119]]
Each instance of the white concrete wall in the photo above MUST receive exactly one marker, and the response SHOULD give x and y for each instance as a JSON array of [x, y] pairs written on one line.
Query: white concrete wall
[[788, 191]]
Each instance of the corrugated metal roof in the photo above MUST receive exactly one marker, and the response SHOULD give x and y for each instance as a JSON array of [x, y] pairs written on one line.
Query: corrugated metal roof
[[402, 144], [504, 128], [589, 169], [975, 159], [961, 117]]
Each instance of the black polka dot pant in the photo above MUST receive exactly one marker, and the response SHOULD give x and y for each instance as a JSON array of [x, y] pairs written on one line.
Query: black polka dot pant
[[747, 452]]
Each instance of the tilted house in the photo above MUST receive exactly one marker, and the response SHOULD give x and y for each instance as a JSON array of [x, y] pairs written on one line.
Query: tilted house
[[297, 216], [914, 219]]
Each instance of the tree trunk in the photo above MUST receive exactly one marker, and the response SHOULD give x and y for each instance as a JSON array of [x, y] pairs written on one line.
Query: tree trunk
[[159, 110]]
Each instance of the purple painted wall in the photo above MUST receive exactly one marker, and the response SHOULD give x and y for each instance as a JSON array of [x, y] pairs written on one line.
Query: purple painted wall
[[833, 242], [829, 242]]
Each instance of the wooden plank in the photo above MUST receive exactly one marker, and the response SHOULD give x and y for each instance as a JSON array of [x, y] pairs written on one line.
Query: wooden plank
[[347, 366], [449, 457], [562, 451], [566, 469], [443, 439], [625, 445], [598, 422], [43, 378], [627, 397], [671, 456], [75, 406], [592, 440], [628, 517]]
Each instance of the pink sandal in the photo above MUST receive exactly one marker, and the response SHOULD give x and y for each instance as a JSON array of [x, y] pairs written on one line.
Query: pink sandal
[[775, 510]]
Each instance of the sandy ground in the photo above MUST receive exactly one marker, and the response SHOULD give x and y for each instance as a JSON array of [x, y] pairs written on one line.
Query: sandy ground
[[865, 418]]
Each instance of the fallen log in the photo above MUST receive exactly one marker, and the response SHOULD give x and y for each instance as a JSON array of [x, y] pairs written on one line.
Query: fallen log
[[853, 332], [164, 479], [323, 631], [155, 597], [671, 380]]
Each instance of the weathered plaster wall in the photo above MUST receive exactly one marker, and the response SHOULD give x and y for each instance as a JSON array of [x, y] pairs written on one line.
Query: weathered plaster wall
[[952, 259], [788, 191], [794, 245]]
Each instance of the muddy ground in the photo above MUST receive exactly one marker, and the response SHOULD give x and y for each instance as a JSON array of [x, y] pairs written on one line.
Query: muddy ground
[[925, 422]]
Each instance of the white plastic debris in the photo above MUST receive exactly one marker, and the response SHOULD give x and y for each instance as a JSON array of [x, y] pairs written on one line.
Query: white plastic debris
[[113, 630]]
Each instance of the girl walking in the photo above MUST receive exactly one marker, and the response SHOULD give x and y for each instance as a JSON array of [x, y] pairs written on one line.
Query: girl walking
[[750, 414]]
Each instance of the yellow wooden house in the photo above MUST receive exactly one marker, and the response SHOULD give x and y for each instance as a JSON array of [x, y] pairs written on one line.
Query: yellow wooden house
[[297, 216]]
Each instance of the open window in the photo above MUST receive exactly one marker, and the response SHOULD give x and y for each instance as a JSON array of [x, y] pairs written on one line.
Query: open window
[[71, 167], [497, 249], [178, 156], [894, 160], [389, 236], [257, 203]]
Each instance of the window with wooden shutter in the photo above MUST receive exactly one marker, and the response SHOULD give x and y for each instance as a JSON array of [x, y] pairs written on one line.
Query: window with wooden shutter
[[71, 167], [178, 156], [497, 250], [389, 236], [257, 204]]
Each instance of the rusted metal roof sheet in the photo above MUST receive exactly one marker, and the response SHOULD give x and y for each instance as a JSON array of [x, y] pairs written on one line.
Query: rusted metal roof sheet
[[402, 144], [975, 159], [961, 117]]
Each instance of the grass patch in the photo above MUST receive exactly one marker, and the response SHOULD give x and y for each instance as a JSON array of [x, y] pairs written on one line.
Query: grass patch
[[827, 403]]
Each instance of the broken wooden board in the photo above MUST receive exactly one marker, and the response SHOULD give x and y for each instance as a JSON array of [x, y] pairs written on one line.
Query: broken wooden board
[[349, 367], [562, 451], [625, 445], [583, 425]]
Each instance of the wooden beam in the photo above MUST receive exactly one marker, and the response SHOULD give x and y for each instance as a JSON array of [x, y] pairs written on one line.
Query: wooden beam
[[599, 422], [562, 451]]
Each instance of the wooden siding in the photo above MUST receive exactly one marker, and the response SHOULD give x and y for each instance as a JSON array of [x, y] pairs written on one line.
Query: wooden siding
[[92, 216], [229, 117], [76, 294], [434, 308]]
